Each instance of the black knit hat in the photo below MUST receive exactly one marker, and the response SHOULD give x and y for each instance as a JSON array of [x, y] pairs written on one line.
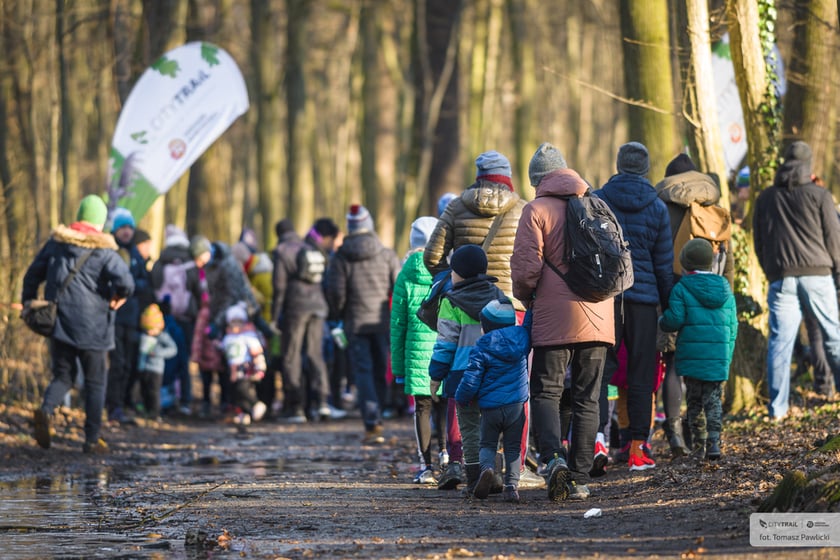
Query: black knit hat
[[633, 158], [697, 254], [469, 261], [680, 164]]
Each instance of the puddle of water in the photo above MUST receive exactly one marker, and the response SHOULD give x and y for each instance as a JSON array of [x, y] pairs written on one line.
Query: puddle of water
[[61, 517]]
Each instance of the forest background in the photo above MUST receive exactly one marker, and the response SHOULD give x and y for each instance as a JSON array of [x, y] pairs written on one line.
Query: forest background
[[387, 103]]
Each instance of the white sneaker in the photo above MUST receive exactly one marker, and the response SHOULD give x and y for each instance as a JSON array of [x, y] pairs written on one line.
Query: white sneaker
[[329, 412], [258, 411]]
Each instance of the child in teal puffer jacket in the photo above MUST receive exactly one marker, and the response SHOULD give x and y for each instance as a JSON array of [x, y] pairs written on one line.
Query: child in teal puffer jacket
[[411, 349], [702, 310]]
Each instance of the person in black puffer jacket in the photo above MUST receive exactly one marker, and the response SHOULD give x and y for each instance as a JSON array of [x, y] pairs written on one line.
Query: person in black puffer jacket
[[359, 283]]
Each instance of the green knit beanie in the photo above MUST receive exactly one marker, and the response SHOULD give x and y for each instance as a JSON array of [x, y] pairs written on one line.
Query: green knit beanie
[[92, 210]]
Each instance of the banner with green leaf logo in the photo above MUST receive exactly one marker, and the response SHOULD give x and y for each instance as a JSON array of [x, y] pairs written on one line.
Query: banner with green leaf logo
[[176, 110]]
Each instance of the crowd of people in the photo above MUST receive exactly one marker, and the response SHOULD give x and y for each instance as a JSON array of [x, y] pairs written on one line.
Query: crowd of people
[[514, 359]]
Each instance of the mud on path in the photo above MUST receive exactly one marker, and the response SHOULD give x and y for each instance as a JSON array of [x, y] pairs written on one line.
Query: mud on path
[[194, 489]]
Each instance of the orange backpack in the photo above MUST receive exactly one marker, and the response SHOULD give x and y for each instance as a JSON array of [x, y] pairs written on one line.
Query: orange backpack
[[711, 223]]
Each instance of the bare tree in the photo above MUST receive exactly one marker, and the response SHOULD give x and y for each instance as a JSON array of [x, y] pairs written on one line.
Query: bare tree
[[647, 76]]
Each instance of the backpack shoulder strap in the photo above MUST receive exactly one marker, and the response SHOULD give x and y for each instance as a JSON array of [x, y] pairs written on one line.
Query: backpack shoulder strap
[[494, 229], [79, 263]]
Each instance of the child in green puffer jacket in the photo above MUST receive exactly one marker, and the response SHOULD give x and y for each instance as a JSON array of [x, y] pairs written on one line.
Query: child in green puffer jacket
[[702, 310], [411, 349]]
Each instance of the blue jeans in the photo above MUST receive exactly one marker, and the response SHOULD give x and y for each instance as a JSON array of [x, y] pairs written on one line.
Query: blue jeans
[[368, 357], [785, 299]]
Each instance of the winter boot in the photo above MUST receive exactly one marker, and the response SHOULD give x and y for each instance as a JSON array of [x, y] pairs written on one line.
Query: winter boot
[[473, 472], [713, 447], [674, 432], [485, 482], [698, 450]]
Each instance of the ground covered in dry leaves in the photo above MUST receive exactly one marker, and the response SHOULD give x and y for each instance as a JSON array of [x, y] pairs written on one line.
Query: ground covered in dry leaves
[[193, 488]]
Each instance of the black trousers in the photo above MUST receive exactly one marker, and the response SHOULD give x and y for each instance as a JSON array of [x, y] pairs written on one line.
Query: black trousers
[[635, 324], [548, 372]]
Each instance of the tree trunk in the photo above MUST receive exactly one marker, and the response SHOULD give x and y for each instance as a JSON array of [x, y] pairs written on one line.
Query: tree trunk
[[704, 122], [748, 57], [268, 107], [647, 75], [379, 122], [525, 83], [438, 22], [810, 82], [299, 116]]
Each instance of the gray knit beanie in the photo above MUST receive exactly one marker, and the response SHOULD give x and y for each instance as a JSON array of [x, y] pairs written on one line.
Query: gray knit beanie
[[359, 219], [633, 158], [546, 159], [492, 163]]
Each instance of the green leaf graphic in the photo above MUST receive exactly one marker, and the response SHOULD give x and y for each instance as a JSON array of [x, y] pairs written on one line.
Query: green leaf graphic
[[721, 49], [140, 137], [166, 67], [209, 53]]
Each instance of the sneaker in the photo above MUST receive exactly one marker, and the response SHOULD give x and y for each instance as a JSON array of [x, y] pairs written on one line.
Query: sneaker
[[485, 482], [451, 477], [425, 476], [510, 494], [639, 460], [623, 454], [293, 416], [258, 411], [42, 428], [578, 491], [599, 463], [98, 447], [185, 410], [529, 480], [373, 436], [117, 416], [329, 412], [558, 479]]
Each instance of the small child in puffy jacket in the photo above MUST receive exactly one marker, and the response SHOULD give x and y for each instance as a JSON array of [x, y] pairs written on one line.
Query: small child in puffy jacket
[[156, 346], [497, 378], [246, 363], [702, 311]]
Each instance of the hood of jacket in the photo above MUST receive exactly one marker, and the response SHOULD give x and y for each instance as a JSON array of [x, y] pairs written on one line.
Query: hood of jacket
[[414, 270], [260, 263], [175, 253], [563, 182], [710, 290], [793, 173], [507, 344], [486, 198], [360, 246], [691, 186], [472, 294], [629, 193], [66, 234]]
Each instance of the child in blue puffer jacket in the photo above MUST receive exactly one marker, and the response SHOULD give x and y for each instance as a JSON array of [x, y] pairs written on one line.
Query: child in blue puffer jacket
[[497, 377]]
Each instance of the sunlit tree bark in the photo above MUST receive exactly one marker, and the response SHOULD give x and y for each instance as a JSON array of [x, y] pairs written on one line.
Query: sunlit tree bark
[[647, 76]]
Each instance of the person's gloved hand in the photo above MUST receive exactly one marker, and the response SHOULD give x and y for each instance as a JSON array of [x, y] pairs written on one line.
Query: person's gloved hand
[[434, 386]]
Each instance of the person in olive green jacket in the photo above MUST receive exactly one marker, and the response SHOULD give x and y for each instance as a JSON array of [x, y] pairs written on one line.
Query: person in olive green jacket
[[701, 309], [412, 343]]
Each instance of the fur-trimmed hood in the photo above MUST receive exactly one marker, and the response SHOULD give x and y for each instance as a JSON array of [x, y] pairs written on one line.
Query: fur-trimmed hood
[[65, 234]]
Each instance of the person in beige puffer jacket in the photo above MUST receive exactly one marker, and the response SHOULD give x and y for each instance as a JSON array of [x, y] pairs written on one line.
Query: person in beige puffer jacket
[[468, 219]]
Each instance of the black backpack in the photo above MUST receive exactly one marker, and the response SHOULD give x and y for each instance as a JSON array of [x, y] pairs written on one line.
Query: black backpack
[[598, 257], [430, 307]]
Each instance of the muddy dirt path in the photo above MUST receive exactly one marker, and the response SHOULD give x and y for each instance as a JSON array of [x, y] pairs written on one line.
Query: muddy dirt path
[[195, 489]]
